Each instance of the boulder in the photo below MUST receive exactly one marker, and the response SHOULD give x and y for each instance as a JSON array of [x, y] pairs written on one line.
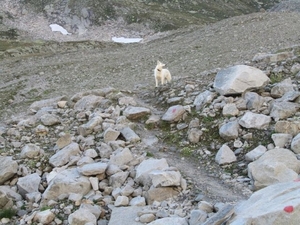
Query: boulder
[[255, 153], [165, 178], [130, 135], [134, 113], [254, 120], [93, 169], [44, 217], [143, 170], [282, 140], [30, 151], [275, 166], [230, 130], [204, 98], [238, 79], [63, 156], [283, 110], [8, 168], [29, 184], [129, 215], [66, 182], [174, 113], [88, 102], [295, 145], [225, 155], [88, 128], [276, 204], [82, 216], [121, 157], [50, 119], [160, 194], [281, 88], [110, 135]]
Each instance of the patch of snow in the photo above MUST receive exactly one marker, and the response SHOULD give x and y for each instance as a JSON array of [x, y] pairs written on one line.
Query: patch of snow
[[56, 27], [126, 40]]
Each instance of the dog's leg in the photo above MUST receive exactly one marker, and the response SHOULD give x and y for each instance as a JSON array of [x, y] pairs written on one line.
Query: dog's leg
[[156, 82]]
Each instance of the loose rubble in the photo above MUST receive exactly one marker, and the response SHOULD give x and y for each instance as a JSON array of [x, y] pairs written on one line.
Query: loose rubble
[[83, 159]]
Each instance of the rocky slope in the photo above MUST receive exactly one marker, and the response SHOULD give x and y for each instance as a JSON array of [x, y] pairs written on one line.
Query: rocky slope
[[38, 70]]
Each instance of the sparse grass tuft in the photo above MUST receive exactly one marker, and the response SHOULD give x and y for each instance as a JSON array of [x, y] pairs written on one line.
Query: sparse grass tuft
[[7, 213]]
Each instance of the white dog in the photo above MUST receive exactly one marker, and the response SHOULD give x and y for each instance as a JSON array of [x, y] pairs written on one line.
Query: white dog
[[161, 74]]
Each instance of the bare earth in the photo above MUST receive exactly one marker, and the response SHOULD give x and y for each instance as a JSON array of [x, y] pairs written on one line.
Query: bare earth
[[187, 52]]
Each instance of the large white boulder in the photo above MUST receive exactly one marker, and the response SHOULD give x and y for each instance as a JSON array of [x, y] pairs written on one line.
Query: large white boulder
[[237, 79], [274, 205]]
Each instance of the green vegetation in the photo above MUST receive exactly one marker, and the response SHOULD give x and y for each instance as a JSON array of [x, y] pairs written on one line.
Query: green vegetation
[[149, 154], [186, 151], [7, 213]]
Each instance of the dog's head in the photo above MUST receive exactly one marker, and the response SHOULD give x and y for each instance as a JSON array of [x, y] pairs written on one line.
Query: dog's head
[[159, 66]]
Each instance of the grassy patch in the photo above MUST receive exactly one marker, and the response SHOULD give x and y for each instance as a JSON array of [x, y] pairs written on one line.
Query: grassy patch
[[7, 213], [186, 151]]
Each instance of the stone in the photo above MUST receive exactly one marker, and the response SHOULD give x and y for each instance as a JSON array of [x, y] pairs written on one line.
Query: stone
[[92, 153], [255, 153], [121, 157], [295, 145], [5, 201], [64, 140], [272, 58], [174, 113], [111, 135], [281, 88], [253, 101], [118, 179], [93, 169], [230, 109], [275, 166], [225, 155], [66, 182], [238, 79], [88, 102], [137, 201], [88, 128], [129, 215], [254, 120], [148, 165], [28, 184], [44, 217], [8, 168], [125, 100], [287, 127], [203, 98], [134, 113], [64, 155], [122, 201], [170, 221], [130, 135], [30, 151], [205, 206], [283, 110], [230, 130], [160, 194], [82, 216], [50, 119], [197, 217], [165, 178], [147, 218], [282, 140], [35, 106], [93, 208], [105, 150], [194, 135], [276, 204]]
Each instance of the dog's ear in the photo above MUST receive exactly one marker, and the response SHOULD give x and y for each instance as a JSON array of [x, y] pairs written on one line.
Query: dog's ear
[[158, 62], [163, 64]]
